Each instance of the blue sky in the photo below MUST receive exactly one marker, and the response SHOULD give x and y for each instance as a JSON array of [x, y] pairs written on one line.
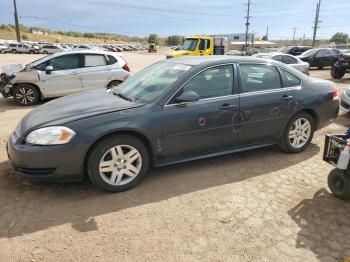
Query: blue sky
[[184, 17]]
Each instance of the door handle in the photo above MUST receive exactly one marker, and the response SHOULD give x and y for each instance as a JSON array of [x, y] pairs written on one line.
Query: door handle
[[227, 107], [286, 98]]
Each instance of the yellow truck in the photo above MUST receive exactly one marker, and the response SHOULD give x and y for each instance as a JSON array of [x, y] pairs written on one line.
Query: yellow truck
[[201, 45]]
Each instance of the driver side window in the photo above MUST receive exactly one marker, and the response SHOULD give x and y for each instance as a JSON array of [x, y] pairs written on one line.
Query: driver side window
[[213, 82], [65, 62]]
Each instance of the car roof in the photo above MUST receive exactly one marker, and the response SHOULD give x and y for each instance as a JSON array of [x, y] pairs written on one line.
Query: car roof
[[199, 60], [85, 51]]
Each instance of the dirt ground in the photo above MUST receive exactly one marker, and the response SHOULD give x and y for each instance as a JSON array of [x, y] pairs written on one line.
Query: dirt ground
[[261, 205]]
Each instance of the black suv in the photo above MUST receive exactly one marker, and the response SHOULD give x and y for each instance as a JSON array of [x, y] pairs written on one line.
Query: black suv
[[321, 57], [294, 50], [340, 67]]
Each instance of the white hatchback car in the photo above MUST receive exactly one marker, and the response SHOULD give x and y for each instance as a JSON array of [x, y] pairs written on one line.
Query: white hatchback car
[[62, 74]]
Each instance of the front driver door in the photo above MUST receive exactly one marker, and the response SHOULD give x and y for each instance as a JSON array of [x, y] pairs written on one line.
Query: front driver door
[[206, 125], [64, 79]]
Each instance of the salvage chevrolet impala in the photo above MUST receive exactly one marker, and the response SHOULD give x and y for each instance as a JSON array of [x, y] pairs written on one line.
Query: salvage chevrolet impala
[[173, 111]]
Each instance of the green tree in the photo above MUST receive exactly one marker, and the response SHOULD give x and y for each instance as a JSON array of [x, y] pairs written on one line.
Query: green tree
[[25, 37], [153, 39], [174, 40], [89, 35], [340, 38]]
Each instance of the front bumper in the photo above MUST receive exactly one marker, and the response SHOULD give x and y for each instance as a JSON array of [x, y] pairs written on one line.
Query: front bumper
[[47, 163], [345, 102]]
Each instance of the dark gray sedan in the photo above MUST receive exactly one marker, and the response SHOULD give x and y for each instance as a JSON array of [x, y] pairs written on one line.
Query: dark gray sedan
[[173, 111]]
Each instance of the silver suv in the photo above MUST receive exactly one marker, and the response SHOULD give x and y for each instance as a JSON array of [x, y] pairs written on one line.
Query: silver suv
[[62, 74], [51, 49], [23, 48]]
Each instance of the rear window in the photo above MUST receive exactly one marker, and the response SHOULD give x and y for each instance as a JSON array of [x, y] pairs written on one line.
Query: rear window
[[111, 60], [95, 60], [290, 79]]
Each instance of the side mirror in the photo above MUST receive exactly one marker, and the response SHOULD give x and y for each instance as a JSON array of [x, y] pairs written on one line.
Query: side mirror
[[48, 69], [187, 97]]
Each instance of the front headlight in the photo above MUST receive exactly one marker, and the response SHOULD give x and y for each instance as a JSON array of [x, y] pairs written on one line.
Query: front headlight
[[52, 135]]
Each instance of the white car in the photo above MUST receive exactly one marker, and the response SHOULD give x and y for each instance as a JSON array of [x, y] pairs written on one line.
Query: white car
[[51, 49], [290, 60], [3, 49], [63, 74]]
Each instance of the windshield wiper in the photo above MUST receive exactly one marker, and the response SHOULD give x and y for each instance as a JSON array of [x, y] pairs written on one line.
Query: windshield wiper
[[125, 97]]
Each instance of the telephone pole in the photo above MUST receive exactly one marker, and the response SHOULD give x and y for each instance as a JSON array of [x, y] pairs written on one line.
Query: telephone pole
[[317, 21], [247, 25], [294, 30], [18, 34]]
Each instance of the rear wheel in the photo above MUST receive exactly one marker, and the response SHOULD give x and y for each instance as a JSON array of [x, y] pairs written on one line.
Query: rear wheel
[[298, 133], [339, 183], [14, 51], [114, 83], [26, 95], [118, 163], [337, 73]]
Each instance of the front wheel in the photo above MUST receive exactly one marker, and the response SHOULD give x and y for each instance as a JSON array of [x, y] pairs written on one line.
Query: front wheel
[[26, 95], [339, 183], [118, 163], [298, 133]]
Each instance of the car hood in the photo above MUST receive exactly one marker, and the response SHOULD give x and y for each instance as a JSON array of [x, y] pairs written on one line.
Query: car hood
[[12, 68], [75, 107]]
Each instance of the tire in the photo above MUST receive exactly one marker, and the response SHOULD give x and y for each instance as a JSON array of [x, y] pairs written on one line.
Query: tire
[[337, 73], [31, 52], [339, 183], [121, 145], [26, 95], [46, 53], [320, 67], [302, 133], [114, 83], [14, 51]]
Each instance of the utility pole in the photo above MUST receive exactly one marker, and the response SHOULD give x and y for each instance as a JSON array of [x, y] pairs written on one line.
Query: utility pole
[[247, 25], [317, 21], [18, 35], [294, 30]]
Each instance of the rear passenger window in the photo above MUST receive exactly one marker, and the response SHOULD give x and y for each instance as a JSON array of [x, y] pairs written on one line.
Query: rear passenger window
[[291, 80], [259, 78], [95, 60], [289, 60], [277, 58]]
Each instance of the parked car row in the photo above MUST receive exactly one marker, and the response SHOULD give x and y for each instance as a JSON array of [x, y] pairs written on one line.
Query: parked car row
[[47, 48]]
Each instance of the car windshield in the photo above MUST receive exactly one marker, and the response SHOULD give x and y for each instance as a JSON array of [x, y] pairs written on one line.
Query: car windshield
[[309, 52], [151, 82], [36, 62], [285, 49], [189, 44]]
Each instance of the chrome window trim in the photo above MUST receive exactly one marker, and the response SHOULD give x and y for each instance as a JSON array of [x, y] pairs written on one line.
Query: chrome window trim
[[205, 99], [239, 94]]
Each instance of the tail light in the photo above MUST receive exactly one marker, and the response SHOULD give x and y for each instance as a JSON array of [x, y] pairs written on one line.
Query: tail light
[[126, 67], [335, 93]]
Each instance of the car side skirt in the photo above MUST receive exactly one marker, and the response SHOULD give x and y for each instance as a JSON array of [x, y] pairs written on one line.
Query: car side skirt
[[188, 158]]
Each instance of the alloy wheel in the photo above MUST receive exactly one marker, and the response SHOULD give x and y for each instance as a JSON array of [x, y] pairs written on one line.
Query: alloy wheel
[[299, 133], [25, 95], [120, 165]]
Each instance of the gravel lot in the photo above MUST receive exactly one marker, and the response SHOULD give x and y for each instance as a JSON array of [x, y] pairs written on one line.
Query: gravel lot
[[262, 205]]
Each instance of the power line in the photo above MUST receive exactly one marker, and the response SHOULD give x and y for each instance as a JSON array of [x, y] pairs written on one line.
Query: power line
[[247, 25], [317, 21]]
